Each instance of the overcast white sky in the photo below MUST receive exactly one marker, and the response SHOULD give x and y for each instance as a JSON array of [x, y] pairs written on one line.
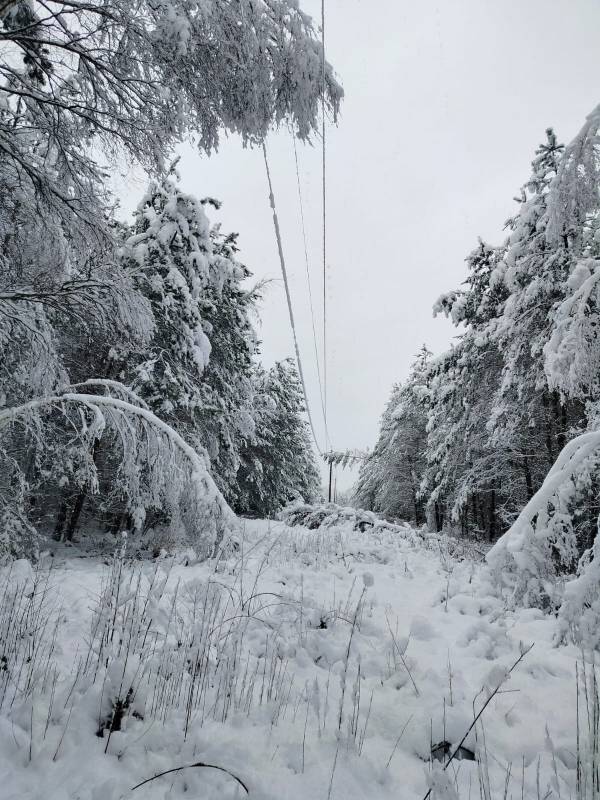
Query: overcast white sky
[[445, 103]]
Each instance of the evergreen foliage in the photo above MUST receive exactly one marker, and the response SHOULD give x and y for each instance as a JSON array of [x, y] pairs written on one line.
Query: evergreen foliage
[[390, 477], [278, 464], [518, 384], [511, 447], [123, 346]]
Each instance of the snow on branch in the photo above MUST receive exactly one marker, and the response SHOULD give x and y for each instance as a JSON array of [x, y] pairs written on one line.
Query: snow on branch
[[533, 557], [572, 356], [574, 191], [345, 458], [157, 468], [122, 392]]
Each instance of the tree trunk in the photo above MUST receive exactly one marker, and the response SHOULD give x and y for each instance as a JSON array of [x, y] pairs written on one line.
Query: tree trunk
[[122, 521], [528, 481], [492, 528], [560, 411], [60, 520], [110, 369], [116, 523], [548, 425], [74, 521], [439, 517], [415, 506], [77, 508]]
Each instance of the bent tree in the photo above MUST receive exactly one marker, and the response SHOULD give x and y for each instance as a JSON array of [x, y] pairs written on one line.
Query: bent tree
[[85, 87], [156, 466]]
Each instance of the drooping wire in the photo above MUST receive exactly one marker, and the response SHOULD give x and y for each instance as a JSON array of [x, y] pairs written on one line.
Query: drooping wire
[[323, 135], [310, 297], [288, 297]]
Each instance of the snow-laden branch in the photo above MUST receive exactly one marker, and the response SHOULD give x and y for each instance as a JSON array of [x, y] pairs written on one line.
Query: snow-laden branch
[[127, 393], [571, 356], [345, 458], [574, 191], [212, 515], [528, 558]]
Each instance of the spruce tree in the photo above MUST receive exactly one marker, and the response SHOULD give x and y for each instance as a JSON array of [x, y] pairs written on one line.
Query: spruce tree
[[464, 473], [278, 463], [390, 478], [528, 418], [197, 371]]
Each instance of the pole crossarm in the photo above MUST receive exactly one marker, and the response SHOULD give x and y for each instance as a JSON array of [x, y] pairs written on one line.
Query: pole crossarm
[[345, 458]]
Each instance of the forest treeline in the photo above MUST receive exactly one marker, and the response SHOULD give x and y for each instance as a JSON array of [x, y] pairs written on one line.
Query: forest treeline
[[131, 397], [468, 438]]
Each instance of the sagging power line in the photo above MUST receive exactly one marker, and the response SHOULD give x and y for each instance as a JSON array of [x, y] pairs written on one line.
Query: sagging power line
[[288, 296], [310, 296], [324, 187], [323, 380]]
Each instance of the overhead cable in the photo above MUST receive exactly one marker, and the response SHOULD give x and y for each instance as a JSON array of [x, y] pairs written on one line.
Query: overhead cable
[[288, 297]]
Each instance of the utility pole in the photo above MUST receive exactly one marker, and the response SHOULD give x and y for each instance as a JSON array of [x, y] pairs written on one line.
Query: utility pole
[[330, 477]]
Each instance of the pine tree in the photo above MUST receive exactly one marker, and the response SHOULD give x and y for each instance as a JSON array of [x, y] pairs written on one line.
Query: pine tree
[[278, 463], [197, 372], [71, 309], [464, 473], [390, 478], [491, 442], [527, 417], [556, 533]]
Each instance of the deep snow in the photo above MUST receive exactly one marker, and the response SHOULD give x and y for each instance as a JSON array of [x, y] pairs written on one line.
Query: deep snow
[[424, 629]]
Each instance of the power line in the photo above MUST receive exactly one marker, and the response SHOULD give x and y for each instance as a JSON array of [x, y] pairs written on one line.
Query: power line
[[323, 135], [288, 297], [310, 298]]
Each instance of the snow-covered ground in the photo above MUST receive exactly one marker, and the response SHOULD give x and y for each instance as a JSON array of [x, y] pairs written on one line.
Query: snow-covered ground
[[308, 664]]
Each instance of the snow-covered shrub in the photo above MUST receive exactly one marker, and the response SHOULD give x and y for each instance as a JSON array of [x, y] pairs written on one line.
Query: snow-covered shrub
[[171, 651], [329, 515], [332, 518]]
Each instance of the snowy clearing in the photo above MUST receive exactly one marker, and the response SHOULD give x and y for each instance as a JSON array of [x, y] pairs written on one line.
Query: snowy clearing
[[308, 664], [431, 631]]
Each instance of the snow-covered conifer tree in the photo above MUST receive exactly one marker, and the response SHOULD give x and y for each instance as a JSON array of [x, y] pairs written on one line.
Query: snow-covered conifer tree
[[71, 308], [278, 463], [197, 371], [528, 417], [464, 475], [390, 478]]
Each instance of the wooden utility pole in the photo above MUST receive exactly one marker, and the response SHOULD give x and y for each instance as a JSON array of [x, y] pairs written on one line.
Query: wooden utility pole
[[345, 458]]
